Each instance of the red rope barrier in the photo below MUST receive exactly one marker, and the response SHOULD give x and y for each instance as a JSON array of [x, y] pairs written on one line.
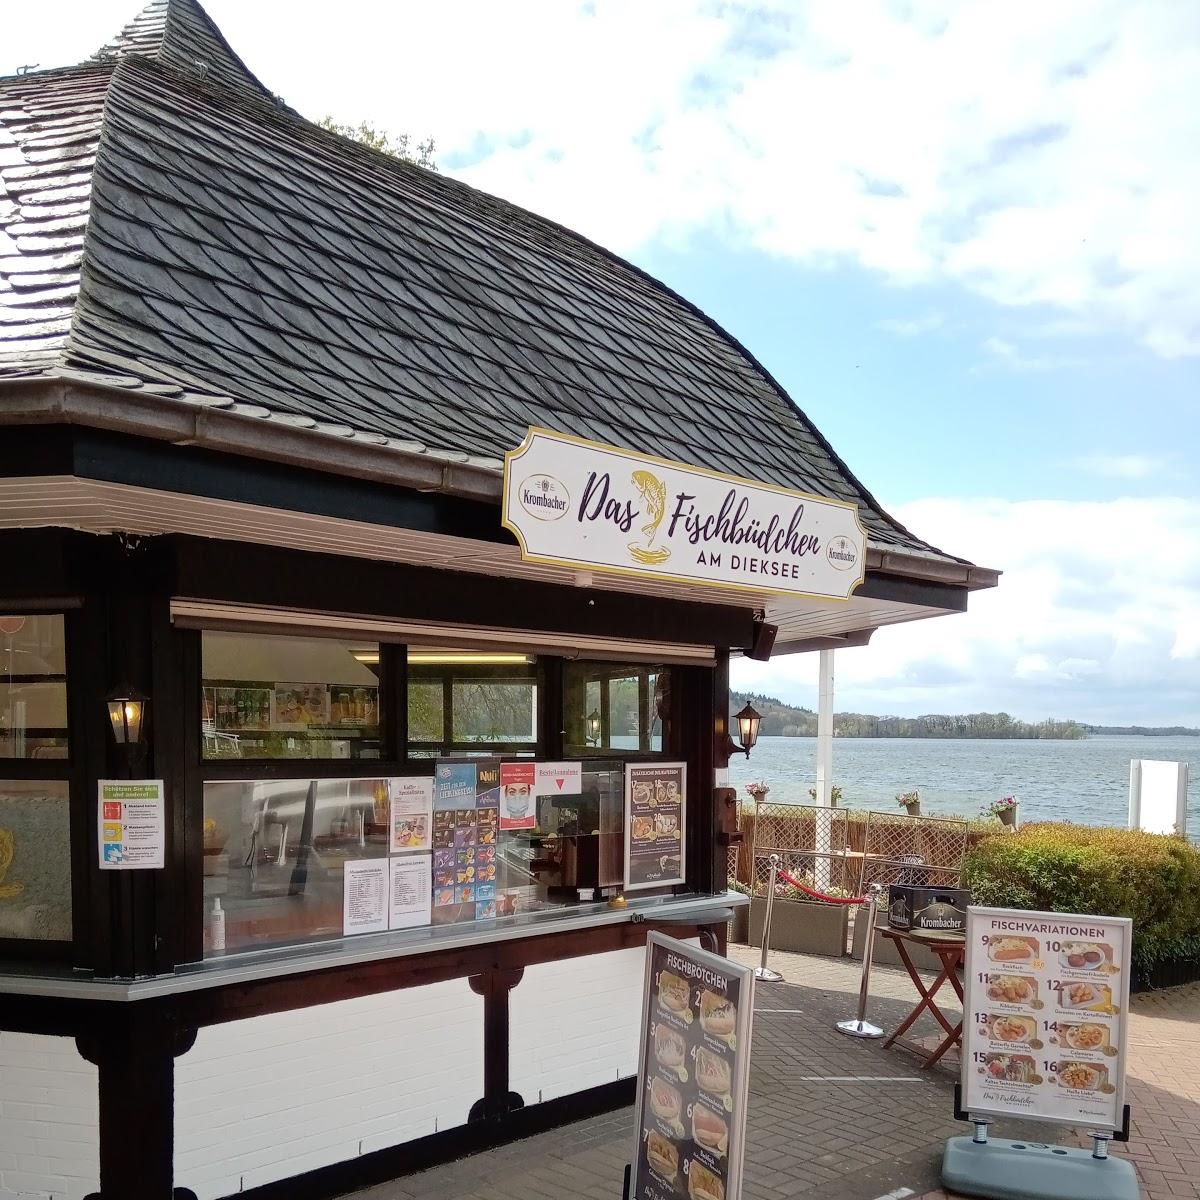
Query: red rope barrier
[[788, 877]]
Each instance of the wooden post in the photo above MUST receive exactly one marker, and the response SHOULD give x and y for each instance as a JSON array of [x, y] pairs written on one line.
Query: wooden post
[[135, 1054]]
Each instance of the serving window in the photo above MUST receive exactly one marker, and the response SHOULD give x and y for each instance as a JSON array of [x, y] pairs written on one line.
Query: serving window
[[292, 855]]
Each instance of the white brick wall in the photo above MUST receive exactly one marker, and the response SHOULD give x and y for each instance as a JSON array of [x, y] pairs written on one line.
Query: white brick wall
[[273, 1096], [49, 1120], [574, 1024]]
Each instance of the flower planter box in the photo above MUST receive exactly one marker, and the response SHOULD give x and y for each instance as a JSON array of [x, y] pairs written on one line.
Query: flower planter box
[[739, 926], [801, 926]]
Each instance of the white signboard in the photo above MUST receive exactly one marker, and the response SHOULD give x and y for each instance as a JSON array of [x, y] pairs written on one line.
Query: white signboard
[[132, 824], [1158, 795], [558, 779], [1045, 1011], [365, 896], [581, 504], [693, 1074], [411, 894], [411, 814]]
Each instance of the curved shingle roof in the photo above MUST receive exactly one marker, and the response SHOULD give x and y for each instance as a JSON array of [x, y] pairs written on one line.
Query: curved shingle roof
[[240, 256]]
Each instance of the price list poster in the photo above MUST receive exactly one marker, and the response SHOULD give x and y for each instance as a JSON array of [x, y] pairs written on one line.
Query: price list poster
[[693, 1075], [1047, 1001]]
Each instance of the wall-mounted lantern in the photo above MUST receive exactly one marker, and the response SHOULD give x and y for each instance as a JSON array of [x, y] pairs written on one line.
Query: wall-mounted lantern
[[593, 727], [748, 721], [127, 708]]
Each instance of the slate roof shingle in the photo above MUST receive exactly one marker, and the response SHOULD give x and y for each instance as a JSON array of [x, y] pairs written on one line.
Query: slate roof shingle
[[177, 227]]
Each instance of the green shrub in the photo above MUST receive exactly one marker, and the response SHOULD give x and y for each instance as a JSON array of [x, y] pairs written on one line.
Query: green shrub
[[1153, 878]]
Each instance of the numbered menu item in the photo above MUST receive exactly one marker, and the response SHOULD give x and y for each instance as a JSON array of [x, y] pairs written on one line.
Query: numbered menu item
[[693, 1074], [1047, 996], [655, 825]]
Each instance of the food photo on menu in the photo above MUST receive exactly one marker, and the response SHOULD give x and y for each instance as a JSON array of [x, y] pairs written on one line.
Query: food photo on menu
[[1090, 997], [1012, 1030], [1087, 956], [1088, 1037], [1083, 1077], [1014, 949], [1013, 989], [1011, 1068]]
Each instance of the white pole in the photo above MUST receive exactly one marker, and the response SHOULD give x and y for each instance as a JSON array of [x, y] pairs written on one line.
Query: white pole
[[824, 763], [1135, 793]]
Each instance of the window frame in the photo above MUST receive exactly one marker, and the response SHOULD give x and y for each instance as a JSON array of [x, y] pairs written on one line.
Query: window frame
[[70, 770]]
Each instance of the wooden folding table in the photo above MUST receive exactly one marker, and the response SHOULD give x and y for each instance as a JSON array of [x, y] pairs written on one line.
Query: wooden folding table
[[951, 950]]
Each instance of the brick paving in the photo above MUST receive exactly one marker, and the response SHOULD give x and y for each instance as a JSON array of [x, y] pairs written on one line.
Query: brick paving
[[835, 1118]]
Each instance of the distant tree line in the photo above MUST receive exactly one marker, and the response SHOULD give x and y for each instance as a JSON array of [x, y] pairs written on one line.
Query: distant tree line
[[787, 720], [1145, 730]]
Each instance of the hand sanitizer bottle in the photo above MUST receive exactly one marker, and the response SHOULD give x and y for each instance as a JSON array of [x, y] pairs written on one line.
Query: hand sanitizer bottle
[[216, 926]]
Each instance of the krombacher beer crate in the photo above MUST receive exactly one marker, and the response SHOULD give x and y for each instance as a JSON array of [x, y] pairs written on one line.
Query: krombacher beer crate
[[937, 909]]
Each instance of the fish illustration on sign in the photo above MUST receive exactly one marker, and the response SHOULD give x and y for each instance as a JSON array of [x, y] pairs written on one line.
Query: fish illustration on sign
[[8, 846], [654, 494]]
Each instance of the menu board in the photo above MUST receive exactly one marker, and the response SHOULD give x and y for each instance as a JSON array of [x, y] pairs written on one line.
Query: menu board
[[693, 1074], [466, 826], [1047, 999], [655, 830]]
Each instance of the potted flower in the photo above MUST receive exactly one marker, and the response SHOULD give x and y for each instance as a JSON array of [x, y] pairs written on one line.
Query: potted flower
[[910, 802], [758, 790], [835, 794], [1005, 809]]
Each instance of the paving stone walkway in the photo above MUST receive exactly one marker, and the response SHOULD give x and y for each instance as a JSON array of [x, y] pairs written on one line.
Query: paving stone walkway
[[835, 1118]]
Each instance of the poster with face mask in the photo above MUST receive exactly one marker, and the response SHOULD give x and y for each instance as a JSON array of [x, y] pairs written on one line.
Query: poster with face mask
[[518, 809]]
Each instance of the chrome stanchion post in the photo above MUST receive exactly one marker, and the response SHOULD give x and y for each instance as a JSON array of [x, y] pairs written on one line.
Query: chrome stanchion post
[[762, 971], [1100, 1145], [860, 1026]]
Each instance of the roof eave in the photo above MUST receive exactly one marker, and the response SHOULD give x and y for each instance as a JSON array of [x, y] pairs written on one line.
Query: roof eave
[[55, 400], [142, 414]]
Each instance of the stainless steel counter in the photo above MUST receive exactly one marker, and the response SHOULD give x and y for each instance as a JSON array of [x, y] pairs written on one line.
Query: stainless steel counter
[[247, 967]]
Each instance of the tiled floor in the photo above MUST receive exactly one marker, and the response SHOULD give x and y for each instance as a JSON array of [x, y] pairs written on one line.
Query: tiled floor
[[834, 1118]]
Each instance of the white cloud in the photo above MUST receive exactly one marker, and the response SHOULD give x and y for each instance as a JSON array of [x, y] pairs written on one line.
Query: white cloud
[[912, 326], [1043, 156], [1096, 617], [1123, 466]]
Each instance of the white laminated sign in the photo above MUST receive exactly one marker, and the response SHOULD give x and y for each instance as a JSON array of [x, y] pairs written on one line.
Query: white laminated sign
[[1046, 1007], [577, 503]]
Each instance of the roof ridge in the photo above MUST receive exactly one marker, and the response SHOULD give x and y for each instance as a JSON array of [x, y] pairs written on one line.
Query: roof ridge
[[183, 37]]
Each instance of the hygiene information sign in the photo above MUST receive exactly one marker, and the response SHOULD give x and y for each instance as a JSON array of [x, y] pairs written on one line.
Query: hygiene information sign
[[132, 824], [693, 1074], [1047, 1000]]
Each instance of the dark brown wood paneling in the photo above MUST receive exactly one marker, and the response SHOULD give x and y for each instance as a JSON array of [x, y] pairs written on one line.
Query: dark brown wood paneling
[[239, 573]]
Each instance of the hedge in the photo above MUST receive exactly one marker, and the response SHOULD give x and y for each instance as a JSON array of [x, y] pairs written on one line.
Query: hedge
[[1153, 878]]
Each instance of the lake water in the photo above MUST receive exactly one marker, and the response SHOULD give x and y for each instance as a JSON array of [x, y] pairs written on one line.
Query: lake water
[[1086, 781]]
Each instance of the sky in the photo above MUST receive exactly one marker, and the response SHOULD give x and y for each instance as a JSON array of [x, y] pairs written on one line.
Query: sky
[[962, 235]]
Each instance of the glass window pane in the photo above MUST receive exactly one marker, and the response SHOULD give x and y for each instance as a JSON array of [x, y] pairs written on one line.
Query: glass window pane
[[275, 854], [614, 708], [35, 860], [33, 687], [289, 697], [472, 702], [425, 715], [494, 710]]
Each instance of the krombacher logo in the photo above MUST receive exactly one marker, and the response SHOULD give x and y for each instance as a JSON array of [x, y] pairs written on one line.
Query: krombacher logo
[[544, 497]]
